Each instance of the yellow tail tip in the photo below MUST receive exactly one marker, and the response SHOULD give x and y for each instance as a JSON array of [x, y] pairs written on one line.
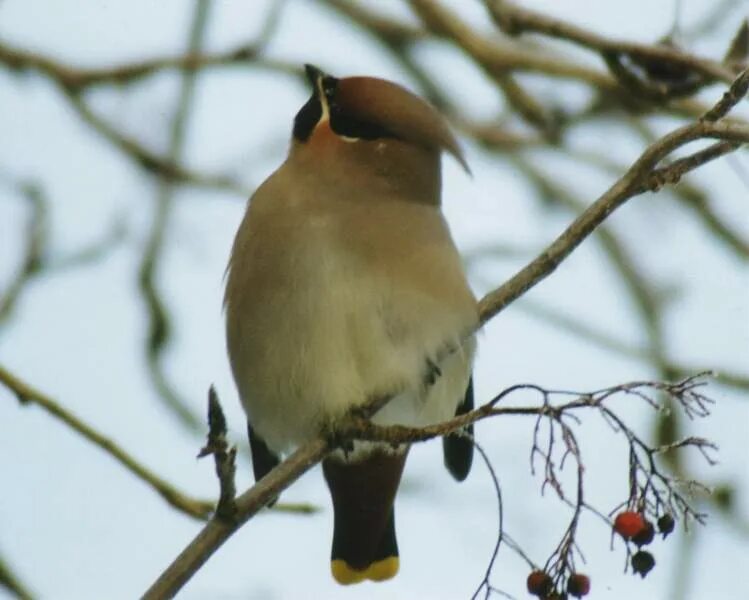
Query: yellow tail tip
[[383, 570], [380, 570]]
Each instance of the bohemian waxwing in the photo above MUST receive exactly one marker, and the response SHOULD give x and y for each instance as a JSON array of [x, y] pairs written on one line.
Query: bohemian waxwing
[[344, 284]]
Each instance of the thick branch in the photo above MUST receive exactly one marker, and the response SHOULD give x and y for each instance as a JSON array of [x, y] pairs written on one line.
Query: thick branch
[[217, 531], [639, 177]]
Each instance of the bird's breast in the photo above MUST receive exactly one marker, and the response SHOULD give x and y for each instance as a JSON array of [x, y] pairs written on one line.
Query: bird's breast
[[322, 315]]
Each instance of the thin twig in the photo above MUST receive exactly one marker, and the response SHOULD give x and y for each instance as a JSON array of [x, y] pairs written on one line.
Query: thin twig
[[159, 321], [148, 160], [500, 523], [35, 250], [37, 258], [583, 329], [730, 98], [78, 79]]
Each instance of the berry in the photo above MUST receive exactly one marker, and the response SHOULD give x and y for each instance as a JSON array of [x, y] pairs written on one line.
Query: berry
[[642, 563], [628, 524], [578, 585], [539, 584], [645, 535], [666, 524]]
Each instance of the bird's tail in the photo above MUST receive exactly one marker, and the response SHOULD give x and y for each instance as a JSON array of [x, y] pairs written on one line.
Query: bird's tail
[[363, 490]]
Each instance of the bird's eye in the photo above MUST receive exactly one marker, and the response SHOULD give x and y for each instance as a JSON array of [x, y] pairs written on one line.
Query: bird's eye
[[349, 126], [307, 118], [329, 86]]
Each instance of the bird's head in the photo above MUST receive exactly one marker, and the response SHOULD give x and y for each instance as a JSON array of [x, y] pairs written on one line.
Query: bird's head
[[373, 129]]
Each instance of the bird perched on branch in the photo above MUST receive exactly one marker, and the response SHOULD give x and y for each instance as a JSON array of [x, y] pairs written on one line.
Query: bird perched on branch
[[344, 284]]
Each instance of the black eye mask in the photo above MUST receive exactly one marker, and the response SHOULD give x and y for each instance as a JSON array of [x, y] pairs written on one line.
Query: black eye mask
[[306, 119], [341, 123]]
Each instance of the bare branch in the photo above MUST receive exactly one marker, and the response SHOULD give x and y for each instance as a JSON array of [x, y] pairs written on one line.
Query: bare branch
[[193, 507], [514, 20], [500, 524], [37, 259], [159, 321], [198, 509], [10, 581], [76, 79], [217, 531], [150, 161], [499, 58], [585, 330], [731, 98], [637, 178], [34, 252]]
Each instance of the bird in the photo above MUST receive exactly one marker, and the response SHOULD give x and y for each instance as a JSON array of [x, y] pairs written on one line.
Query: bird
[[344, 284]]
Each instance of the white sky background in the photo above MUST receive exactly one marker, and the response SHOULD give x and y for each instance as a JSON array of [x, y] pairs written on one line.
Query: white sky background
[[76, 525]]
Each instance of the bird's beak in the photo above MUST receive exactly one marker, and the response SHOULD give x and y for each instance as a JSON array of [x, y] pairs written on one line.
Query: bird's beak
[[313, 75]]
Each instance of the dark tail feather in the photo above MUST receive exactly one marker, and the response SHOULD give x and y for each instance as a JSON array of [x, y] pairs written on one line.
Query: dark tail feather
[[458, 449], [388, 543], [263, 460], [364, 540]]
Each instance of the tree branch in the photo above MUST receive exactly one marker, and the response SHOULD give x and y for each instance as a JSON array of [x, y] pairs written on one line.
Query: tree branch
[[158, 317], [77, 79], [514, 20], [198, 509], [10, 581], [192, 507], [639, 177], [217, 531]]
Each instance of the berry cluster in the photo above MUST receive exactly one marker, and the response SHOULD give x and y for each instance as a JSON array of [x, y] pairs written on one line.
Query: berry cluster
[[541, 584], [655, 497], [635, 528]]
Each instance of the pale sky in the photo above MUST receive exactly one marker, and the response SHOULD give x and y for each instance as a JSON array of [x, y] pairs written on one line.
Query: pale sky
[[75, 525]]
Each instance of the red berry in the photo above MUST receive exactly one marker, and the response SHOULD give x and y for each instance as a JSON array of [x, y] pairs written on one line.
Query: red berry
[[539, 583], [578, 585], [666, 524], [645, 535], [628, 524], [642, 562]]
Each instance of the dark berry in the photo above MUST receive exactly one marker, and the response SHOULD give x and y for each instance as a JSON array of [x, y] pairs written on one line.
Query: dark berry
[[578, 585], [645, 535], [539, 584], [666, 524], [628, 524], [642, 562]]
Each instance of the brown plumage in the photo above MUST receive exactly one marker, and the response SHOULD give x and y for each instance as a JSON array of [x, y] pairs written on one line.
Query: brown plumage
[[344, 283]]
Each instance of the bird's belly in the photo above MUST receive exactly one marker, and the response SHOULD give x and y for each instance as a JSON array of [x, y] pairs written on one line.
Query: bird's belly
[[334, 336]]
